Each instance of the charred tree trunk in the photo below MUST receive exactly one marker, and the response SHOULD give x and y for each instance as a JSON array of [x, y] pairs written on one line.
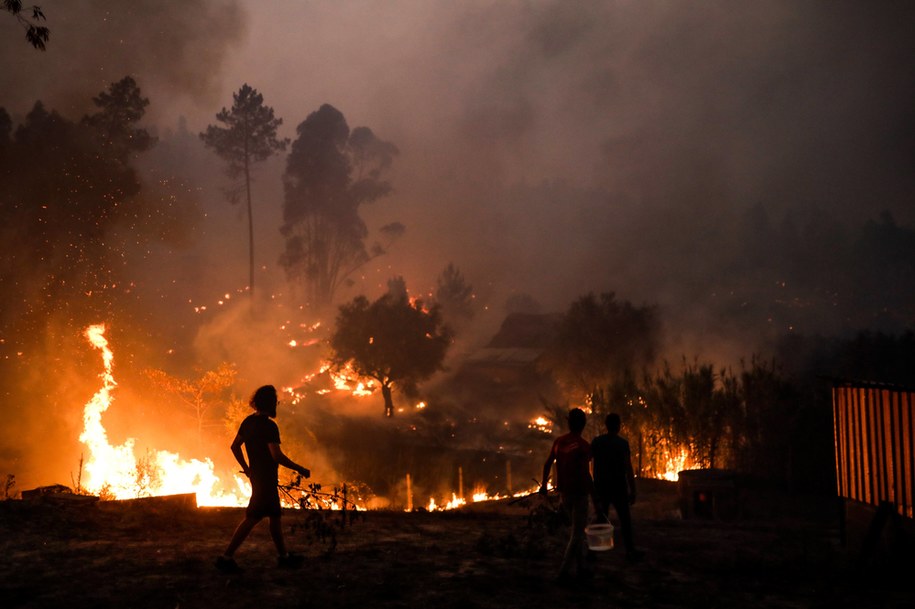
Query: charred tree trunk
[[641, 452], [388, 400], [250, 222]]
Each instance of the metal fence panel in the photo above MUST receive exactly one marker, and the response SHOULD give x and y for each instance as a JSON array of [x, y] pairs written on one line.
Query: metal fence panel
[[875, 444]]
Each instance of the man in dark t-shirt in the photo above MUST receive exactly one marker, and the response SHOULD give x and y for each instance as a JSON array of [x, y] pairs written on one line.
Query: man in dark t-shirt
[[257, 432], [614, 480], [261, 440]]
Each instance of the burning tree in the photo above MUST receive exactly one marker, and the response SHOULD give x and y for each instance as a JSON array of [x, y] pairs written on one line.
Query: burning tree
[[684, 416], [392, 340], [331, 172], [697, 416], [247, 137]]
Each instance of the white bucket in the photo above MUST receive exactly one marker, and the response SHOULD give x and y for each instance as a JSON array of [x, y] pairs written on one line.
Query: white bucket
[[600, 537]]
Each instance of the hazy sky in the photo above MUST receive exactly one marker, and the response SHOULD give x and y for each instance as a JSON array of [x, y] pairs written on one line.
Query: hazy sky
[[549, 147]]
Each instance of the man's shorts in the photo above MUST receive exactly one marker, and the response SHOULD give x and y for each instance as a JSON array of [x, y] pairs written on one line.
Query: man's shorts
[[265, 500]]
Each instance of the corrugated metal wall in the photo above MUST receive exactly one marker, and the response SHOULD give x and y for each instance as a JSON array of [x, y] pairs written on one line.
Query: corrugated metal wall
[[875, 445]]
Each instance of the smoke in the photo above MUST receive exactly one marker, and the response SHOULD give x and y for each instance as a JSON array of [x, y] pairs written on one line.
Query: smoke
[[551, 148], [175, 50], [557, 148]]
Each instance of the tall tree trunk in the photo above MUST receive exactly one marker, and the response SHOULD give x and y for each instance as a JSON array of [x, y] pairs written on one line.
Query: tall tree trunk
[[250, 233], [641, 452]]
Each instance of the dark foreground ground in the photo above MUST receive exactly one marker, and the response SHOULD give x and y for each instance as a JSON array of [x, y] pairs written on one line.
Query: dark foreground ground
[[498, 556]]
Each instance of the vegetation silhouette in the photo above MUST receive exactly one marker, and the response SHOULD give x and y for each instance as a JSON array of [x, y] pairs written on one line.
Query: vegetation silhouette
[[35, 34], [455, 295], [331, 171], [391, 340], [247, 135], [599, 339]]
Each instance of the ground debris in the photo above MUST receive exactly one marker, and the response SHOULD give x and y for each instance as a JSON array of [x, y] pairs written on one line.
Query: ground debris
[[57, 494], [136, 555]]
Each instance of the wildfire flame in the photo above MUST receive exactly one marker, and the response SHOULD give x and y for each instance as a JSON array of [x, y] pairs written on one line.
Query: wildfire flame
[[676, 463], [116, 472], [346, 380], [541, 424], [479, 495]]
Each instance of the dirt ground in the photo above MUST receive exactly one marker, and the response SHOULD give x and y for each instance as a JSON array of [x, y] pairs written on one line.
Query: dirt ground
[[489, 555]]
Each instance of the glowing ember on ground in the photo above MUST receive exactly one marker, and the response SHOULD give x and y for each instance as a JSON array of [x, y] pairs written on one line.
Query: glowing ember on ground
[[479, 495], [455, 502], [116, 472], [346, 380], [343, 380]]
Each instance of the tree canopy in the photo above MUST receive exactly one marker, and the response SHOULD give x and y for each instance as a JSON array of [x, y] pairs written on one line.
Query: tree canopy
[[330, 173], [455, 295], [120, 108], [65, 186], [600, 339], [247, 136], [392, 340]]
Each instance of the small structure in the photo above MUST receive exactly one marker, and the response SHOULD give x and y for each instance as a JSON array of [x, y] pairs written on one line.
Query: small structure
[[708, 493], [506, 371], [875, 466]]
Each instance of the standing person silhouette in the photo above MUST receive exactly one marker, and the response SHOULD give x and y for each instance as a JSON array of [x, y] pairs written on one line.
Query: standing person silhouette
[[614, 480], [572, 454], [261, 439]]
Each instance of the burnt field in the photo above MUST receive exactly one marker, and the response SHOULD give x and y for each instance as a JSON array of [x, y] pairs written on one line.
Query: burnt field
[[494, 555]]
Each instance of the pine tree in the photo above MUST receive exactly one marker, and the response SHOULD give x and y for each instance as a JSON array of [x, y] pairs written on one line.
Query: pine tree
[[247, 136]]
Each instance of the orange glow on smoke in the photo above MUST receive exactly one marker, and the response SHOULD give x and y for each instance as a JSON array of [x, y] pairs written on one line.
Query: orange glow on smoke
[[116, 472]]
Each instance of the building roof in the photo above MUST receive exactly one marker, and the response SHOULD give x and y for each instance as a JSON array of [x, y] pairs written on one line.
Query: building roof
[[511, 356]]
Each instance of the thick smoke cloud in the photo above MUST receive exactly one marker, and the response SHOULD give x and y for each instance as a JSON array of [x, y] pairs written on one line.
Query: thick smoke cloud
[[176, 50], [551, 147], [662, 120]]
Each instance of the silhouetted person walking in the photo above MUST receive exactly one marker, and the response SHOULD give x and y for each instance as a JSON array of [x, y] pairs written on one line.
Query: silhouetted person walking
[[261, 439], [572, 453], [614, 480]]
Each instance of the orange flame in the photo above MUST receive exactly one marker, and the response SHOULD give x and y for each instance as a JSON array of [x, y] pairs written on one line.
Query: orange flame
[[115, 471], [541, 424], [676, 463], [479, 495]]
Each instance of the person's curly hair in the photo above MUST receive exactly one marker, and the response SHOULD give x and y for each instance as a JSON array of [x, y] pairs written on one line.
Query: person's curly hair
[[264, 400]]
